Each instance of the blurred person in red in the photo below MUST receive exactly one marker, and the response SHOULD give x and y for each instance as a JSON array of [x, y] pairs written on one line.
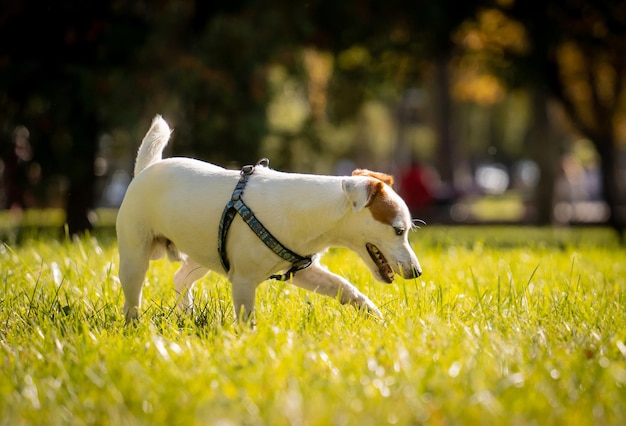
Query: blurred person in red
[[416, 187]]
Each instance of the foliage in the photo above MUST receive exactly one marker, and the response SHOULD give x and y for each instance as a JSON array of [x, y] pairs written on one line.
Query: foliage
[[506, 326], [570, 50], [108, 67]]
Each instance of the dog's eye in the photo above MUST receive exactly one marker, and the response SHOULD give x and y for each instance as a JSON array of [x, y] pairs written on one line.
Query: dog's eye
[[398, 230]]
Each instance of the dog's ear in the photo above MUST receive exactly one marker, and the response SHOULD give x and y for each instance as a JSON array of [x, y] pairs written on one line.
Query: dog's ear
[[383, 177], [361, 192]]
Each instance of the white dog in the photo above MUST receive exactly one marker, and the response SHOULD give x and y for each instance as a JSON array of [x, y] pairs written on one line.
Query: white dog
[[181, 206]]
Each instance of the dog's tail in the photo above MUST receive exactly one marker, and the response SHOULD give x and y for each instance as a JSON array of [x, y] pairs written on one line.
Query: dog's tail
[[151, 149]]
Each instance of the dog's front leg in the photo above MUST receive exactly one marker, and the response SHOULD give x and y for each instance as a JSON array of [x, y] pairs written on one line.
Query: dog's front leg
[[318, 279], [243, 300]]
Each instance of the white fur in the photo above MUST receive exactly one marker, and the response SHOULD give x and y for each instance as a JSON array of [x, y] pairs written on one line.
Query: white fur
[[153, 144], [175, 205]]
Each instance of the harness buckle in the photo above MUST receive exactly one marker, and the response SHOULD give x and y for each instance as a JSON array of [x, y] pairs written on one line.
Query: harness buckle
[[302, 264], [247, 170]]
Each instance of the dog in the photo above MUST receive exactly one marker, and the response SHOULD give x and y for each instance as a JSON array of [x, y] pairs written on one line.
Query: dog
[[174, 206]]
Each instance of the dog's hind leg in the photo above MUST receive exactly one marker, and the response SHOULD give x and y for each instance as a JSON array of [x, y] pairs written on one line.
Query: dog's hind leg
[[184, 278], [318, 279], [133, 267]]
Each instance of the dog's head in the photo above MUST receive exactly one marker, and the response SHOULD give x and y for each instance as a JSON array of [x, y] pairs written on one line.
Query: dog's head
[[379, 228]]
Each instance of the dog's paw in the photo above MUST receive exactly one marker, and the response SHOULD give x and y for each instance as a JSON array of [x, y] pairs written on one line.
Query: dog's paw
[[132, 316], [366, 306], [373, 310], [360, 302], [185, 306]]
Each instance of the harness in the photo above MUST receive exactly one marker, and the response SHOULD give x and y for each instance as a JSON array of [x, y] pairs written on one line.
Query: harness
[[237, 206]]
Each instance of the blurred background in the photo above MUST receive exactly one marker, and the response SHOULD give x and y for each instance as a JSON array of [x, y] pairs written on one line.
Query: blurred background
[[491, 111]]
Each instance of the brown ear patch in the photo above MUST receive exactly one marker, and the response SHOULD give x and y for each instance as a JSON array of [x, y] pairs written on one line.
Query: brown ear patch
[[383, 177], [382, 207]]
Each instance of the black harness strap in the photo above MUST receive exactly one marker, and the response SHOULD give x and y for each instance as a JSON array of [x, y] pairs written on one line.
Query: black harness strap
[[237, 206]]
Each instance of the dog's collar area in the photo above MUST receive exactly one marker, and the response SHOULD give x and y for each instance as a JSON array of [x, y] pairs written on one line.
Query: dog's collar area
[[237, 206]]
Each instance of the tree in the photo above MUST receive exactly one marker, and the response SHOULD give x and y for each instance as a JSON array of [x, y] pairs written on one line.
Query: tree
[[54, 71], [577, 55], [403, 42]]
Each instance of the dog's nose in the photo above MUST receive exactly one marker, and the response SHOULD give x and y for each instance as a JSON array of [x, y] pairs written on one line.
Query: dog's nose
[[412, 271], [417, 271]]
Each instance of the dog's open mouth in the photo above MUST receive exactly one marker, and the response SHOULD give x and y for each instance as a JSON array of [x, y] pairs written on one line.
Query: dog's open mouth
[[385, 271]]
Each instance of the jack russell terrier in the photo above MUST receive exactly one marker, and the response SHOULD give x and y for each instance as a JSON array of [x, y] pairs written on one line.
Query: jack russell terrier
[[280, 222]]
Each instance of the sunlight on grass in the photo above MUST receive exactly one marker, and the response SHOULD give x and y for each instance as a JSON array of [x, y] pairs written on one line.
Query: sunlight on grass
[[507, 325]]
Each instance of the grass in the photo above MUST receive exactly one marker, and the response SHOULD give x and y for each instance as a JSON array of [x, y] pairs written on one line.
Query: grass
[[506, 326]]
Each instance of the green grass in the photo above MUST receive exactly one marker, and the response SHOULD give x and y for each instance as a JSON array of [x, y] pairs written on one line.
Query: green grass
[[506, 326]]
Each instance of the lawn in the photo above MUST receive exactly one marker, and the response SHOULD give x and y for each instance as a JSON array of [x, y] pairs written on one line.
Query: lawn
[[506, 326]]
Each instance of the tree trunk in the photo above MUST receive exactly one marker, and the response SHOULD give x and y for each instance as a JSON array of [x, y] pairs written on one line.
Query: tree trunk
[[446, 153], [545, 148], [610, 186], [80, 198]]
